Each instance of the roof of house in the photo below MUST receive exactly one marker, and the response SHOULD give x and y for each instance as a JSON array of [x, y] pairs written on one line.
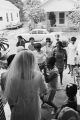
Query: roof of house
[[7, 5], [59, 5]]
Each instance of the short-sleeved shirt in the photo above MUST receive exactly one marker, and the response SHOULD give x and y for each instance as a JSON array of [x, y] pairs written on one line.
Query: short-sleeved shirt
[[31, 47]]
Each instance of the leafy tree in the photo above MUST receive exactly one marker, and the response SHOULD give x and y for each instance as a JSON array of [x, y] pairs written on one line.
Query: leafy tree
[[74, 16], [33, 11]]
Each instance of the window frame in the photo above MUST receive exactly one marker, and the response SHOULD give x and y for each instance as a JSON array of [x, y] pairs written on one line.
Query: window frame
[[62, 19]]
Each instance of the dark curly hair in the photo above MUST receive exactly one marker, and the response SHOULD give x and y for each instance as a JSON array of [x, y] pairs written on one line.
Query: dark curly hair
[[71, 90], [59, 43], [50, 62]]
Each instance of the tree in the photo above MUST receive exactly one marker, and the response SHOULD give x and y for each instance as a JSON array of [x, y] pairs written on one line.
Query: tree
[[74, 16], [33, 11]]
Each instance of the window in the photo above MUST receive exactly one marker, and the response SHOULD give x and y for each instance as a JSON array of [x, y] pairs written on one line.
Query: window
[[1, 18], [40, 32], [61, 18], [11, 17], [7, 17], [34, 32]]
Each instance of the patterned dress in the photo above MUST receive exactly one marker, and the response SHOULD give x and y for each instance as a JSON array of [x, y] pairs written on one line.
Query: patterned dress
[[61, 57], [2, 114]]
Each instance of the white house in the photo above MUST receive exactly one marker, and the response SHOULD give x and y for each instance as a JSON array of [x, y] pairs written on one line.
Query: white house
[[9, 14], [60, 8]]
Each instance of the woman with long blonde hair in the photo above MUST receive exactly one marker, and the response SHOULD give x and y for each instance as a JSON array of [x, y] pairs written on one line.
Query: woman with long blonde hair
[[24, 82]]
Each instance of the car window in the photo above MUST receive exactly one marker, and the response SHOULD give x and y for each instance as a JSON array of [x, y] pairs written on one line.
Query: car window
[[34, 32], [44, 32], [40, 32]]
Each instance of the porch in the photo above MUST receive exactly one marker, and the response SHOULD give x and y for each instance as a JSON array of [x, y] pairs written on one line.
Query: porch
[[63, 29]]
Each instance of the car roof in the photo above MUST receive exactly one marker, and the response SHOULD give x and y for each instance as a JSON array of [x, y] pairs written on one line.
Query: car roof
[[40, 29]]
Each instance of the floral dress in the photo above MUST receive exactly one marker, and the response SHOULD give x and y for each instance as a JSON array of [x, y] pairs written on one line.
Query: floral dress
[[61, 58]]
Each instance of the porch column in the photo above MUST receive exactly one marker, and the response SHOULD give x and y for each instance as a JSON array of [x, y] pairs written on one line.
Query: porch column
[[47, 21]]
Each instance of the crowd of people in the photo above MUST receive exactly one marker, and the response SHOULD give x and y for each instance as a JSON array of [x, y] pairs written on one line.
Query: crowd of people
[[32, 74]]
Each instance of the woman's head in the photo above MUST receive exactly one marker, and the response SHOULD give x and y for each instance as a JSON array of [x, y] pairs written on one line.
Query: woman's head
[[59, 45], [73, 40], [48, 41], [37, 46], [21, 69], [50, 62], [71, 90], [31, 40], [20, 38]]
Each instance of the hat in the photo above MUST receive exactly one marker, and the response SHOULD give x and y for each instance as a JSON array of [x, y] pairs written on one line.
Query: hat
[[68, 113], [73, 38]]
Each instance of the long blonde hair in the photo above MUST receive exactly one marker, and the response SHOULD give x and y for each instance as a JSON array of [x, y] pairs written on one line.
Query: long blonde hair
[[22, 68]]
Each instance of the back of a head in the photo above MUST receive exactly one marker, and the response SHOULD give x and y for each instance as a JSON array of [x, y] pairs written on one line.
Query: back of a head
[[48, 40], [22, 64], [73, 39], [31, 38], [68, 114], [20, 73], [50, 62], [20, 37], [59, 43], [37, 46], [71, 90]]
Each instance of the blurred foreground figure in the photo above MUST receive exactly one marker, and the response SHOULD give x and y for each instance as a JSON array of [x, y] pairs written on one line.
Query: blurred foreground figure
[[22, 87], [2, 114], [68, 114]]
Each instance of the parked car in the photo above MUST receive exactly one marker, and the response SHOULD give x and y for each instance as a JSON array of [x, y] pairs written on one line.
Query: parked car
[[14, 26], [37, 34]]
